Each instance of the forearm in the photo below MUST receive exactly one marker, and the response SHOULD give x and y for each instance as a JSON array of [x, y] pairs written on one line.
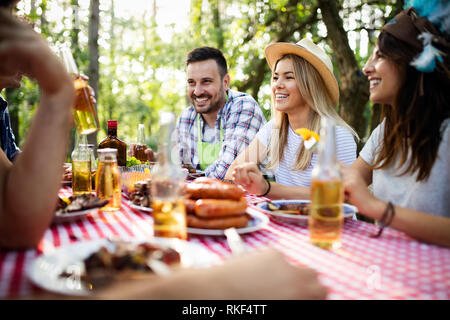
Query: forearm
[[419, 225], [33, 181], [280, 191], [255, 152]]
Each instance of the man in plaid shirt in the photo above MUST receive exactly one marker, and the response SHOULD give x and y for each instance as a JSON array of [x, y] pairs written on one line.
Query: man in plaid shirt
[[221, 122]]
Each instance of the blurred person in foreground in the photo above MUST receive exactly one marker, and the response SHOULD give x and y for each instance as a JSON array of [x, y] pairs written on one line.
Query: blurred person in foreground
[[29, 186], [304, 90], [220, 123], [407, 157], [7, 139], [263, 275]]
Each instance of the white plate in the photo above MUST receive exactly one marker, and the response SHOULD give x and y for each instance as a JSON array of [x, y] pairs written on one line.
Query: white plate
[[349, 211], [46, 269], [257, 222], [140, 208], [72, 216]]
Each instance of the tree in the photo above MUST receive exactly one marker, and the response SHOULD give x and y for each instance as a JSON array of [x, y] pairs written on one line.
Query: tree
[[354, 86], [93, 73]]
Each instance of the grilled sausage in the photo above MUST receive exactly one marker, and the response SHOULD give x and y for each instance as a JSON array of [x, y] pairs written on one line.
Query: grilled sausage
[[215, 190], [190, 206], [211, 208], [240, 221]]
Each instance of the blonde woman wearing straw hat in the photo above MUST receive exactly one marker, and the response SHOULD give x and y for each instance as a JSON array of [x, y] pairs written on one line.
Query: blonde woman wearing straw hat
[[304, 89]]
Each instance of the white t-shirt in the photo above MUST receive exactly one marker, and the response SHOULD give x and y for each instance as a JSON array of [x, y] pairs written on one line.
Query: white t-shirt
[[345, 149], [431, 196]]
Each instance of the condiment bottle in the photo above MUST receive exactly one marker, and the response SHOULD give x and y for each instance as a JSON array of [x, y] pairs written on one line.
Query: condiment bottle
[[81, 167], [327, 193], [140, 145], [107, 180], [169, 213], [112, 141]]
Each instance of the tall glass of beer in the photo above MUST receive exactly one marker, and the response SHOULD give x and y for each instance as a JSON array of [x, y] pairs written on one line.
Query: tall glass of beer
[[84, 112]]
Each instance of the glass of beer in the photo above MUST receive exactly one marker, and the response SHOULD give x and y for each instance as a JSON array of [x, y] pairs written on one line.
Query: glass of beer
[[84, 112], [107, 179]]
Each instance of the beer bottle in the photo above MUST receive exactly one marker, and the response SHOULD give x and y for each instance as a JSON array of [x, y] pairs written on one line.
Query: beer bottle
[[169, 213], [81, 167], [327, 193], [111, 141], [140, 145]]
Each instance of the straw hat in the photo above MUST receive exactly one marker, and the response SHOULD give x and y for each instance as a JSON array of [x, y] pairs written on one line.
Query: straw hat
[[306, 49]]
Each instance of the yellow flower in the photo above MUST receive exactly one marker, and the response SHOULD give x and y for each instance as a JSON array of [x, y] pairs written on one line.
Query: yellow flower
[[307, 134], [146, 170]]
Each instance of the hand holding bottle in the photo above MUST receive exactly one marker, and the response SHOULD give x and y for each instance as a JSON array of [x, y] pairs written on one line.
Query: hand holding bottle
[[150, 155]]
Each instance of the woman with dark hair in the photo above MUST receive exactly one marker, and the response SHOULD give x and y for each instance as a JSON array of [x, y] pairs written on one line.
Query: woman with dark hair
[[407, 157]]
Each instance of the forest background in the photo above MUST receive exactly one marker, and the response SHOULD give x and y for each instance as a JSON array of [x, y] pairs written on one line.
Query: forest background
[[133, 52]]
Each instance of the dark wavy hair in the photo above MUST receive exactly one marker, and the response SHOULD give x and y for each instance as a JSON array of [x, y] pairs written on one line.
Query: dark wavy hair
[[423, 103], [206, 53]]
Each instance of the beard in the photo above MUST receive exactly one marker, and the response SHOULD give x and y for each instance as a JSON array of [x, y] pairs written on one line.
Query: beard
[[214, 105]]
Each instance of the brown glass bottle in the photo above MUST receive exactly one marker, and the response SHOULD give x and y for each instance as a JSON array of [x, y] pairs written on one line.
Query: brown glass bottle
[[111, 141]]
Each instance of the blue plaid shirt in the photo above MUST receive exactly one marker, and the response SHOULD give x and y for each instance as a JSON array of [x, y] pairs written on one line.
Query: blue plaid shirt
[[6, 134], [240, 118]]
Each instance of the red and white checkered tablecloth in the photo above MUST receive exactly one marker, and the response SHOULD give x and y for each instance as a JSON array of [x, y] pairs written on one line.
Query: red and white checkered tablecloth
[[393, 266]]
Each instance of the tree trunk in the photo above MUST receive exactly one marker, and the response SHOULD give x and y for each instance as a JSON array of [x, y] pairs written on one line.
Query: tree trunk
[[354, 87], [43, 7], [218, 31], [196, 17], [112, 36], [94, 54], [290, 23], [74, 34]]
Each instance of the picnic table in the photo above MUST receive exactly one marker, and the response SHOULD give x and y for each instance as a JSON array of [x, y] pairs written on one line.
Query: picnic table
[[394, 266]]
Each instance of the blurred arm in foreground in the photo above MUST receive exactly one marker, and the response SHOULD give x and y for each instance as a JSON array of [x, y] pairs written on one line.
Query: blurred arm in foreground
[[29, 187]]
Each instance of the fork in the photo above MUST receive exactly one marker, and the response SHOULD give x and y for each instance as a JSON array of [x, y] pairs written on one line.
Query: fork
[[235, 242]]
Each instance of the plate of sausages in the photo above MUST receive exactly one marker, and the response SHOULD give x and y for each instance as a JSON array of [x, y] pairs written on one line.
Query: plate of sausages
[[213, 206]]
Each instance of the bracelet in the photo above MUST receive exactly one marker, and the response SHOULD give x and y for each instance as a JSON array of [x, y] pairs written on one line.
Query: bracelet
[[386, 219], [268, 190]]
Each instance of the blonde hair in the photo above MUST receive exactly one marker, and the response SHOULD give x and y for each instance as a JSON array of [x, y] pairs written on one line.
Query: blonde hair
[[315, 93]]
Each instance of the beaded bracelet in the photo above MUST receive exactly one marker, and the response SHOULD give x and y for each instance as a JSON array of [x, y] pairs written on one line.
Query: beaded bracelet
[[386, 219], [268, 190]]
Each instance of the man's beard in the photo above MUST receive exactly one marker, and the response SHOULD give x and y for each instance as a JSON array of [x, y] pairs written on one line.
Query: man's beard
[[214, 105]]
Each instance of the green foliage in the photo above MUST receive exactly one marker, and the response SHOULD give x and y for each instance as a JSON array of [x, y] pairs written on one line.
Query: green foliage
[[142, 74]]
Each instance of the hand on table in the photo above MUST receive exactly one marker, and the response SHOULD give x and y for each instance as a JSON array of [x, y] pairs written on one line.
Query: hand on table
[[268, 275], [250, 177], [356, 191]]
